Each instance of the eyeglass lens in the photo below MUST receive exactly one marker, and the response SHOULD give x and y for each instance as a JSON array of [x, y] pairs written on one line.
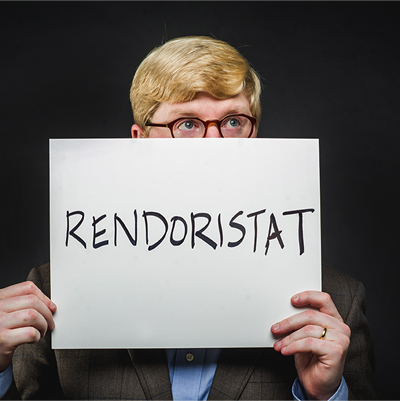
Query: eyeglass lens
[[230, 127]]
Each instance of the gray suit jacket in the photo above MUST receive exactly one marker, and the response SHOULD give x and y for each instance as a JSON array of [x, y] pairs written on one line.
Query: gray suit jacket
[[43, 373]]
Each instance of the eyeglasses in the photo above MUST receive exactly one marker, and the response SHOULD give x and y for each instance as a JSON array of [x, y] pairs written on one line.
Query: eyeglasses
[[233, 126]]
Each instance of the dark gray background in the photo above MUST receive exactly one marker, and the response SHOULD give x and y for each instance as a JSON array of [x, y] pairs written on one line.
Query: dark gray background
[[330, 70]]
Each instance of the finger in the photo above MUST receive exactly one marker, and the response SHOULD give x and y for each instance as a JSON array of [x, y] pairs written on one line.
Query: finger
[[317, 299], [24, 318], [21, 335], [307, 331], [309, 317], [24, 302], [332, 350], [11, 339], [26, 288], [311, 331]]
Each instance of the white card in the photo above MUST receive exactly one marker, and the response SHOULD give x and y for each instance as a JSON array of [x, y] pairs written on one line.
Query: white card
[[186, 243]]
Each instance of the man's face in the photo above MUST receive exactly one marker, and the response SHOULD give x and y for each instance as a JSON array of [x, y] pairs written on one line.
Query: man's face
[[204, 107]]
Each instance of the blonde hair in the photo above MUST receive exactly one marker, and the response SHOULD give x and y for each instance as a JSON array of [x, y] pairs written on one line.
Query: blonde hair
[[179, 69]]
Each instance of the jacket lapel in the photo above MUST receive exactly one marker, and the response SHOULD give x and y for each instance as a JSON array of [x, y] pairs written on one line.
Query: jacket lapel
[[152, 369], [233, 372]]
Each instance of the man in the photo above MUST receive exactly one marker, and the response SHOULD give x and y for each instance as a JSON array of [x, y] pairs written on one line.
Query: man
[[194, 87]]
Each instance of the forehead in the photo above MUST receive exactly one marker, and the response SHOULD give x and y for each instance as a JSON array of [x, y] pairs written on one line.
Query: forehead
[[204, 106]]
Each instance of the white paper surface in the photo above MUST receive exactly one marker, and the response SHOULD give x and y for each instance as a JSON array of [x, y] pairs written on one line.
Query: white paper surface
[[187, 295]]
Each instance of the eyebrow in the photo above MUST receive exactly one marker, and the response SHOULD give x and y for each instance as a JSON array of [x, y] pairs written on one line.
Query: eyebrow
[[177, 113]]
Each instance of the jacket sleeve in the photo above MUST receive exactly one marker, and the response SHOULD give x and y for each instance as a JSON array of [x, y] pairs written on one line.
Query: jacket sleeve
[[349, 297], [34, 365]]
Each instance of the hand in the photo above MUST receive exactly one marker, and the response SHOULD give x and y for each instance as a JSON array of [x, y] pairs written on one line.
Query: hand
[[319, 362], [25, 315]]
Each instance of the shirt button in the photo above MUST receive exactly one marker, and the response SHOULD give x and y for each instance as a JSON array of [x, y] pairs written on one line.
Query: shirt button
[[189, 357]]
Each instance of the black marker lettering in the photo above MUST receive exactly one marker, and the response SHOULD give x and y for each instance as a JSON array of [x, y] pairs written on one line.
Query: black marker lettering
[[239, 227], [199, 233], [300, 213], [221, 233], [122, 224], [171, 239], [255, 214], [162, 218], [276, 233], [72, 232], [97, 234]]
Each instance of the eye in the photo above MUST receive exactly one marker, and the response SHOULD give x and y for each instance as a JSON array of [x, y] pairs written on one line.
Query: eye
[[233, 122], [187, 125], [188, 128]]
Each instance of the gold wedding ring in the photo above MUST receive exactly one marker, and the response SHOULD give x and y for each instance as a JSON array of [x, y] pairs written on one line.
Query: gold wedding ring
[[323, 335]]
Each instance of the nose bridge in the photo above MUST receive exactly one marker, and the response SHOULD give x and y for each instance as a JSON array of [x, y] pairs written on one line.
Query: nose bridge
[[212, 129]]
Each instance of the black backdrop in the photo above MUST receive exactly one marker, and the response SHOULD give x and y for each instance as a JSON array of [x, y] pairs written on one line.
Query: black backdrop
[[330, 70]]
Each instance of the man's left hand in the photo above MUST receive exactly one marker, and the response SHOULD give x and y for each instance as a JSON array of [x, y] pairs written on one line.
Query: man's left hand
[[319, 360]]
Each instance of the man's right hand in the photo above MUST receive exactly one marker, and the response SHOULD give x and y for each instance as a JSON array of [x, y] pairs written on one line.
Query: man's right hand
[[25, 316]]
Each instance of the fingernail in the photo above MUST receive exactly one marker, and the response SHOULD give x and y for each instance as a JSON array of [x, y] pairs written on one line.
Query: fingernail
[[278, 344], [275, 327], [295, 298]]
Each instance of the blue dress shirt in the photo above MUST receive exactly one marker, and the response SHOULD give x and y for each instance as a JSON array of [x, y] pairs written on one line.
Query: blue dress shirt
[[191, 372], [5, 380], [342, 393]]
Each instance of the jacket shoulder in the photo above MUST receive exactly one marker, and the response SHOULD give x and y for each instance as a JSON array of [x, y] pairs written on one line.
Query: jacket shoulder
[[40, 276], [344, 290]]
